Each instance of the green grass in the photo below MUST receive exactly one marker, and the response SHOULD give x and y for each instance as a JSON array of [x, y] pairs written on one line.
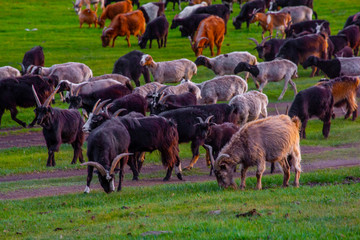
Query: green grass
[[325, 206]]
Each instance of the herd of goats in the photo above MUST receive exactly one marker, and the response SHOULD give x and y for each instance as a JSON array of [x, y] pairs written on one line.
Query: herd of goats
[[120, 132]]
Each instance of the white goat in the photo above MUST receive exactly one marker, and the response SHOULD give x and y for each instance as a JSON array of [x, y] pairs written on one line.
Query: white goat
[[184, 87], [272, 71], [250, 106], [117, 77], [169, 71], [8, 71], [299, 13], [226, 63], [148, 88], [189, 10], [221, 88]]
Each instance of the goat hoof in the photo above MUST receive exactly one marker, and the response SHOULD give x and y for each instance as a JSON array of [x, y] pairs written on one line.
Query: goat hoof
[[179, 176], [166, 179], [188, 168]]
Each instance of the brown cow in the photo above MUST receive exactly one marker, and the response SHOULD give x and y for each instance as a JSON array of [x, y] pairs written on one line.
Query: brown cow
[[125, 24], [114, 9], [211, 31]]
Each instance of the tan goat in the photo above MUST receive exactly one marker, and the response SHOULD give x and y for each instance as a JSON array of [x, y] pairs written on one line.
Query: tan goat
[[271, 21], [272, 139], [88, 16]]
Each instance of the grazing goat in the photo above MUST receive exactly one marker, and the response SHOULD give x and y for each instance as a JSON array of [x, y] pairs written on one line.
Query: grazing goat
[[247, 12], [299, 13], [156, 29], [221, 88], [352, 19], [89, 17], [114, 9], [129, 66], [9, 72], [18, 92], [117, 77], [210, 32], [190, 10], [225, 64], [314, 101], [188, 25], [346, 52], [352, 34], [272, 139], [152, 10], [173, 101], [267, 50], [273, 71], [34, 56], [250, 106], [59, 126], [219, 10], [169, 71], [335, 67], [270, 21], [312, 26], [78, 4], [135, 2], [344, 92], [274, 5], [125, 24], [131, 103]]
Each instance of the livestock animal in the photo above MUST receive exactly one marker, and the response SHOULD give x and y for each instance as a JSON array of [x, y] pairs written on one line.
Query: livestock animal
[[131, 103], [221, 88], [247, 12], [126, 24], [169, 71], [339, 42], [174, 2], [270, 21], [148, 88], [156, 29], [135, 2], [345, 52], [272, 139], [129, 66], [352, 34], [152, 10], [299, 13], [352, 19], [59, 126], [210, 32], [184, 87], [172, 101], [188, 25], [114, 9], [312, 26], [9, 72], [275, 4], [114, 76], [89, 17], [194, 2], [335, 67], [34, 56], [344, 92], [267, 50], [251, 105], [272, 71], [225, 64], [79, 3], [314, 101], [18, 92], [219, 10], [190, 10], [299, 49]]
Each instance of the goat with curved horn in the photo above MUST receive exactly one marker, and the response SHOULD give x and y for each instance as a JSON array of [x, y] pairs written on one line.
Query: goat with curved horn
[[48, 100], [118, 112], [208, 119], [38, 103], [96, 165], [209, 151], [117, 160]]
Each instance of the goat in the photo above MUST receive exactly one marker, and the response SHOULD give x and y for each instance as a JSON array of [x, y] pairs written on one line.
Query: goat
[[345, 52], [188, 25], [247, 11], [221, 88], [148, 88], [225, 64], [135, 2], [250, 106], [210, 32], [219, 10], [131, 103], [274, 5], [312, 26], [114, 76], [270, 21], [114, 9], [156, 29], [352, 34], [173, 1], [339, 42], [190, 10], [152, 10], [335, 67], [169, 71], [272, 139], [78, 4], [9, 72], [34, 56], [59, 126], [352, 19], [129, 66], [344, 92], [125, 24], [299, 13], [314, 101], [268, 49], [172, 101], [194, 2], [272, 71], [89, 17]]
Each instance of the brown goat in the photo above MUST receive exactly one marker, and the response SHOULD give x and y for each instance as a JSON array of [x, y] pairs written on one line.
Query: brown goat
[[210, 32], [114, 9], [88, 16], [194, 2], [124, 24], [344, 92], [270, 21], [272, 139]]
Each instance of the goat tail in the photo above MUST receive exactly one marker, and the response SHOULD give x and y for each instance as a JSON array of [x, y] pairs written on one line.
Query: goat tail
[[315, 14], [296, 121]]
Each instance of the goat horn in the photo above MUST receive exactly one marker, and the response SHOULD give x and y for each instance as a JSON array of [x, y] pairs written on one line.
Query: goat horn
[[198, 41], [38, 103], [22, 67], [118, 112], [200, 120], [277, 110], [209, 150], [95, 106], [208, 119], [78, 89], [263, 41], [162, 96], [97, 165], [116, 161], [107, 109], [48, 100], [162, 89], [255, 41], [100, 106]]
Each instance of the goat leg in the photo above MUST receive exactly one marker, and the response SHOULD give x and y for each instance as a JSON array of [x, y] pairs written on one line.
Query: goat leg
[[89, 178], [13, 112], [243, 177]]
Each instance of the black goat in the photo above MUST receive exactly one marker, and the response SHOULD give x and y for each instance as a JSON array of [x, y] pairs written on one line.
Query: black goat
[[308, 26], [129, 66], [267, 50], [276, 4], [156, 29], [314, 101], [59, 126], [352, 34], [247, 12], [173, 1], [352, 19], [345, 52], [18, 92], [219, 10], [340, 41], [34, 56], [188, 25], [172, 101]]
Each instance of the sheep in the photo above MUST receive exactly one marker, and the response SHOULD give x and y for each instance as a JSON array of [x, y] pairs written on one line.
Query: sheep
[[272, 71], [169, 71], [114, 76], [9, 72], [225, 64], [272, 139], [250, 106], [221, 88], [335, 67], [88, 16]]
